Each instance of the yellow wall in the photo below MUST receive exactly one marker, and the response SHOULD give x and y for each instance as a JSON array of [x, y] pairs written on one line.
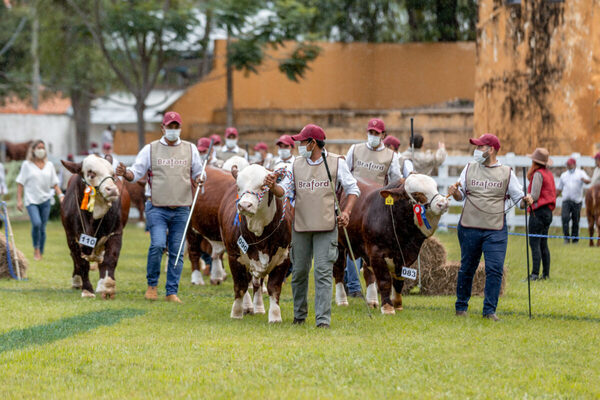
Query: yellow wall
[[357, 76]]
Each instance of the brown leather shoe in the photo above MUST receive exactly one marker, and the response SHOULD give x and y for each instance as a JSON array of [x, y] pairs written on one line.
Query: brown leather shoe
[[173, 298], [461, 313], [151, 293], [493, 317]]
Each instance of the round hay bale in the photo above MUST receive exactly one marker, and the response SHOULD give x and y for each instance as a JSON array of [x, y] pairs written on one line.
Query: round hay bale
[[23, 263], [438, 276]]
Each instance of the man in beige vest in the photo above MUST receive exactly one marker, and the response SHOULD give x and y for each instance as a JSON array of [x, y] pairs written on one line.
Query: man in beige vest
[[484, 184], [171, 163], [373, 161], [425, 162], [314, 233], [231, 147]]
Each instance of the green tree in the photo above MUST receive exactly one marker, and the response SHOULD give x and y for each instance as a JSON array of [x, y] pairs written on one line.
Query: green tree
[[15, 68]]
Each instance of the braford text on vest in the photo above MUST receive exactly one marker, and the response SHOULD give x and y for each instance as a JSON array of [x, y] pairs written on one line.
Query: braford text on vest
[[370, 165], [312, 184], [171, 162], [487, 184]]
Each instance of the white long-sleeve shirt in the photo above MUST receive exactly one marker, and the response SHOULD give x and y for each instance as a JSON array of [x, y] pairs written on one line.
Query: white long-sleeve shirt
[[393, 173], [515, 190], [143, 163], [571, 184], [344, 178]]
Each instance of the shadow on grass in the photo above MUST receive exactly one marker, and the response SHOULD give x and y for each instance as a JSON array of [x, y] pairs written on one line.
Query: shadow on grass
[[63, 328]]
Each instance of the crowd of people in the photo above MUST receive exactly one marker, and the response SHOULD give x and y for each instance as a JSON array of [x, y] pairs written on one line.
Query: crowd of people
[[483, 186]]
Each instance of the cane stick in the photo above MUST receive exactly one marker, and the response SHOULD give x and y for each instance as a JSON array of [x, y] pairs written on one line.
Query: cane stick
[[527, 242], [187, 223], [337, 213], [12, 239]]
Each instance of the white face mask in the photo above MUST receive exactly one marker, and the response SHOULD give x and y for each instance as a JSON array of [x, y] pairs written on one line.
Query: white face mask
[[480, 156], [172, 134], [39, 153], [303, 151], [284, 154], [230, 143], [373, 140]]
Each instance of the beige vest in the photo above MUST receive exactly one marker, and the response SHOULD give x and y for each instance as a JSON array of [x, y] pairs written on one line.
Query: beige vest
[[226, 155], [486, 191], [371, 164], [171, 174], [315, 203]]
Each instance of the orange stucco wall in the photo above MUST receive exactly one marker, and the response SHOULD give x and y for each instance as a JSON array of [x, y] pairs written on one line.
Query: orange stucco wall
[[538, 75], [357, 76]]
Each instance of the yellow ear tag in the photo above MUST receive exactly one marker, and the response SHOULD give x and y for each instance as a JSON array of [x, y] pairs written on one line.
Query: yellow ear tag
[[389, 201]]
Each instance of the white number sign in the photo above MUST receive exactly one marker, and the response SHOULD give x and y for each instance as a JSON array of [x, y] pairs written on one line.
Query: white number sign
[[241, 242], [409, 273], [88, 241]]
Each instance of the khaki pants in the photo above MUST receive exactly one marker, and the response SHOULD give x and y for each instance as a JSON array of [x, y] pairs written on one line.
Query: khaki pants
[[322, 246]]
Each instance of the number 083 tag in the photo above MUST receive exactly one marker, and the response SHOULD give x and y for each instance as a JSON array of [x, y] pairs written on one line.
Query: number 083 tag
[[87, 240], [409, 273]]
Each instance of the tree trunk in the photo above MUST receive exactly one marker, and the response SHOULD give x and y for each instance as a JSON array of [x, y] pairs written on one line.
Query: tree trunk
[[35, 69], [140, 106], [81, 103], [205, 42], [230, 120], [446, 20]]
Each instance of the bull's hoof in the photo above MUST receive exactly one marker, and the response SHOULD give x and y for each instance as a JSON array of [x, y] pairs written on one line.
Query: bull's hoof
[[372, 300], [373, 304], [77, 282], [236, 310], [215, 282], [387, 309], [108, 296], [197, 278], [340, 295], [86, 294], [259, 310], [93, 266], [249, 311]]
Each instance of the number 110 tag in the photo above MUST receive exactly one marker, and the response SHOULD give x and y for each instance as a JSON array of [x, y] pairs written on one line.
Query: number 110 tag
[[242, 244], [87, 240]]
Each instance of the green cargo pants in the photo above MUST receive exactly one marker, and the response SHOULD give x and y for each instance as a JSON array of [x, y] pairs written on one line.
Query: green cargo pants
[[322, 246]]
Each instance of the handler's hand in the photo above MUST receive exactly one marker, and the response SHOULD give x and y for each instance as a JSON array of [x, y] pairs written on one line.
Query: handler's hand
[[453, 190], [270, 181], [20, 205], [528, 200], [121, 169], [343, 219]]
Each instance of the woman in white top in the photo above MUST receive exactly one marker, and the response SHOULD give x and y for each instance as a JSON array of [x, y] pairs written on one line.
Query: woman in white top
[[37, 178]]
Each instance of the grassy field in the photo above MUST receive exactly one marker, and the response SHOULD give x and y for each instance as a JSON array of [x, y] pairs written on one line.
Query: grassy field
[[53, 344]]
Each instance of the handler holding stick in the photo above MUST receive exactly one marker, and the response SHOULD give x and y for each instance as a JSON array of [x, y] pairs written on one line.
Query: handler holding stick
[[485, 184], [171, 164], [314, 233]]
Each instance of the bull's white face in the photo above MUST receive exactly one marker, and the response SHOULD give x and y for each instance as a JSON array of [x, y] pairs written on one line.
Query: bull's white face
[[240, 162], [251, 179], [422, 184], [98, 172]]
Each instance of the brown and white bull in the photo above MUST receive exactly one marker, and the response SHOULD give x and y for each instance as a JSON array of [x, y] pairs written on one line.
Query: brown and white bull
[[592, 210], [105, 223], [266, 229], [388, 237]]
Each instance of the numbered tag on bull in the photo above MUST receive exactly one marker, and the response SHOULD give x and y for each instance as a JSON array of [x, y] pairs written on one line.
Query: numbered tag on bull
[[409, 273], [389, 201], [242, 244], [87, 240]]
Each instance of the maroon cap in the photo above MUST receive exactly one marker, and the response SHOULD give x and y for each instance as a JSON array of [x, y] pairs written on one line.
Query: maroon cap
[[486, 139], [261, 146], [310, 131], [216, 139], [285, 139], [93, 145], [231, 131], [203, 144], [376, 124], [571, 161], [171, 116], [392, 142], [597, 156], [106, 146]]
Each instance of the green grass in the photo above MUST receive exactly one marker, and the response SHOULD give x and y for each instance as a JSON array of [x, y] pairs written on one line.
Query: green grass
[[53, 344]]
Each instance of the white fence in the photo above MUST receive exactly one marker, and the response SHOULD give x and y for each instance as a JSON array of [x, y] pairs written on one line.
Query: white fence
[[517, 163]]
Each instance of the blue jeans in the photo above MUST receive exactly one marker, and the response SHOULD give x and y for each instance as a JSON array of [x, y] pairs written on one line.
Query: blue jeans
[[38, 215], [350, 276], [166, 227], [492, 244]]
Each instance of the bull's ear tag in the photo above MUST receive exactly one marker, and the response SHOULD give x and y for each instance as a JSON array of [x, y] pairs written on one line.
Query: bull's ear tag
[[389, 200]]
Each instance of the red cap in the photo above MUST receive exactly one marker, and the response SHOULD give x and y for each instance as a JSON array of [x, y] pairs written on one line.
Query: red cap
[[487, 139], [93, 145], [171, 116], [203, 144], [571, 161], [216, 139], [261, 146], [597, 156], [310, 131], [376, 125], [106, 146], [392, 142], [231, 131], [285, 139]]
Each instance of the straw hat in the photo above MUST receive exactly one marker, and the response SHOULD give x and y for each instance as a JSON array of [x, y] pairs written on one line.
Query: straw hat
[[541, 156]]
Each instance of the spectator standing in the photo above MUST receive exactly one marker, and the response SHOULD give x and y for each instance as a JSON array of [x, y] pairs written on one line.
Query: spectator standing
[[35, 181], [596, 174], [425, 162], [543, 193], [570, 185]]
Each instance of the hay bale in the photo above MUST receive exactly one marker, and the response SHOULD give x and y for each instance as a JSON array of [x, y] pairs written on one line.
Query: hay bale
[[438, 276], [23, 263]]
